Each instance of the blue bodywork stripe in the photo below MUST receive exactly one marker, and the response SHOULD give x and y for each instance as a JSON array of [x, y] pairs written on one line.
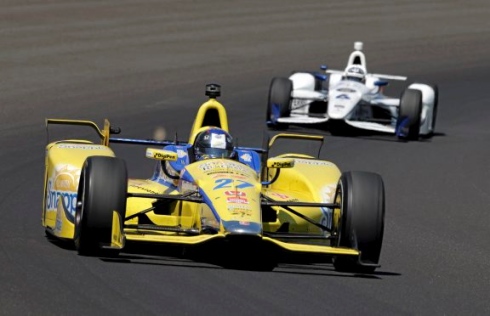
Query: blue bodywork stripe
[[186, 176]]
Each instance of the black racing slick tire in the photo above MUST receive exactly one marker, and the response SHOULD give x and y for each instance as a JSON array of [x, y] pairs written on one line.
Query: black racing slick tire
[[279, 101], [361, 227], [102, 189], [409, 115]]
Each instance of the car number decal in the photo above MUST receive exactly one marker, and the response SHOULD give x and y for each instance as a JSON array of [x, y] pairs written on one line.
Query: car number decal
[[227, 183]]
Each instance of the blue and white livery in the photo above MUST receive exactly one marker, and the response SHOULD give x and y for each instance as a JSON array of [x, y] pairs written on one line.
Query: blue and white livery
[[352, 97]]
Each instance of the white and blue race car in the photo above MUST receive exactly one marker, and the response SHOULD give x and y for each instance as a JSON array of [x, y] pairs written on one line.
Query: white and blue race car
[[352, 97]]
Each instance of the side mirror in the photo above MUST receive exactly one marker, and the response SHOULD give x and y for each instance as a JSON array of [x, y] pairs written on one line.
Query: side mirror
[[160, 154], [280, 163]]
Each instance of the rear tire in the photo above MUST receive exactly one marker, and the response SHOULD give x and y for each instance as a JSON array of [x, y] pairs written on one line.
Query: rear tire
[[279, 102], [361, 224], [102, 189], [408, 123]]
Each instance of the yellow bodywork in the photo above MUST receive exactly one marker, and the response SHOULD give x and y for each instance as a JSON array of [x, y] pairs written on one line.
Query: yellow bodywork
[[210, 113], [303, 183], [63, 164], [231, 193]]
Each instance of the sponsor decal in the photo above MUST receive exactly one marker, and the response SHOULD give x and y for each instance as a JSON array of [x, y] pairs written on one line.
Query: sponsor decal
[[181, 153], [235, 193], [246, 157], [224, 175], [237, 200], [297, 104], [314, 162], [158, 155], [239, 210], [215, 166], [82, 146], [63, 184], [347, 90], [217, 140], [280, 195], [239, 207], [284, 197], [281, 164]]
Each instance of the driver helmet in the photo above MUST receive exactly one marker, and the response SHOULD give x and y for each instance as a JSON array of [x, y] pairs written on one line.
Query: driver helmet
[[355, 73], [213, 142]]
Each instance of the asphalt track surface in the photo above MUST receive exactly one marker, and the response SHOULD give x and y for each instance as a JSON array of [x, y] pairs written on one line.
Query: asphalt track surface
[[144, 64]]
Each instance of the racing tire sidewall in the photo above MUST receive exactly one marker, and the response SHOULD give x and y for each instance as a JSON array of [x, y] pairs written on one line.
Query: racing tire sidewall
[[279, 101], [361, 219], [102, 189], [409, 114]]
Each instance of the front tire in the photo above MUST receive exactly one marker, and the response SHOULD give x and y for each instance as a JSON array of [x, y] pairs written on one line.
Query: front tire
[[361, 226], [279, 102], [102, 189], [409, 113]]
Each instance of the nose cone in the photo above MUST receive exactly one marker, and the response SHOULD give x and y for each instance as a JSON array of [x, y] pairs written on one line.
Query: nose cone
[[242, 228], [342, 101]]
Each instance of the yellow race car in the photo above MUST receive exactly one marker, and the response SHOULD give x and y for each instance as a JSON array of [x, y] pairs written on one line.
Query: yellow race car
[[250, 205]]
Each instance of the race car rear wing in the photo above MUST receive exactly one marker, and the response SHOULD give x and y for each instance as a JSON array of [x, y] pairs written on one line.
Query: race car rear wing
[[103, 133]]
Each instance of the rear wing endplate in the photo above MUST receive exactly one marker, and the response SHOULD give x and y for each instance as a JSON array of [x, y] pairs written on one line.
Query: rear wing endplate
[[103, 133]]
